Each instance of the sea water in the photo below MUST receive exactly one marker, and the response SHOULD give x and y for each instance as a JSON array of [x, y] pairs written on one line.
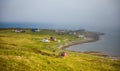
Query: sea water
[[108, 44]]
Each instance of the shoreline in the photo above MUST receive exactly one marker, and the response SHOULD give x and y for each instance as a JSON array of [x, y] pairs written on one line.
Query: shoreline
[[88, 40]]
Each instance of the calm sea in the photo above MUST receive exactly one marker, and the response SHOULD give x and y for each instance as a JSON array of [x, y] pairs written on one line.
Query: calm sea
[[108, 44]]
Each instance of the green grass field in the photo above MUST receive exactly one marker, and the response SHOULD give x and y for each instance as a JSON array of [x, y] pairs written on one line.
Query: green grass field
[[25, 52]]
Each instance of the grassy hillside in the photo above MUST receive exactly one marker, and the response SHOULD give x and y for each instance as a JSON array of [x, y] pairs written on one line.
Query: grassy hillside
[[25, 52]]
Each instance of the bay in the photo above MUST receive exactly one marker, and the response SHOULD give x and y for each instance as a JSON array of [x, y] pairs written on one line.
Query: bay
[[108, 44]]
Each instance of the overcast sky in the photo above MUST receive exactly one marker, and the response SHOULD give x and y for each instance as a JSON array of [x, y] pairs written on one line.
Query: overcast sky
[[90, 13]]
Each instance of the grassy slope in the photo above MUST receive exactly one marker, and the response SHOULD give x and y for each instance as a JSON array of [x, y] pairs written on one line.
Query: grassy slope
[[25, 52]]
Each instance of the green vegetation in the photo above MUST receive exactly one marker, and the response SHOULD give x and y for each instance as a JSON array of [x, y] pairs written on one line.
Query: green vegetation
[[25, 52]]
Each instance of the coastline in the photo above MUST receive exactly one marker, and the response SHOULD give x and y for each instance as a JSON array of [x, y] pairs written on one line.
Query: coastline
[[88, 40]]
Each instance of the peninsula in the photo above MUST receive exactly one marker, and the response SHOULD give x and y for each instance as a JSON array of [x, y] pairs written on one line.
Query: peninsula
[[38, 50]]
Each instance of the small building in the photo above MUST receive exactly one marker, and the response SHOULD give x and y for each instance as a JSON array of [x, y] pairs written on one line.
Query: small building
[[80, 36], [63, 54], [72, 32], [35, 30], [45, 40], [19, 30], [52, 38]]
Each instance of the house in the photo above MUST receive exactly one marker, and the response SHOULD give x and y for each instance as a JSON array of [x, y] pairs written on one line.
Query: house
[[63, 54], [45, 40], [74, 33], [80, 36], [35, 30], [52, 38], [19, 30]]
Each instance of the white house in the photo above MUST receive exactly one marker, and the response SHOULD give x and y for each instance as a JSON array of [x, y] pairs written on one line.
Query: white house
[[45, 40]]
